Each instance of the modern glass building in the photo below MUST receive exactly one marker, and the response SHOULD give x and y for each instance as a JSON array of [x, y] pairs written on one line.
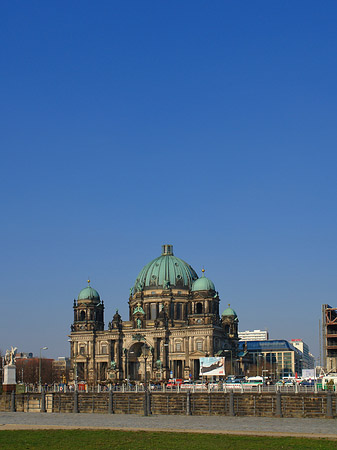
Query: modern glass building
[[274, 358]]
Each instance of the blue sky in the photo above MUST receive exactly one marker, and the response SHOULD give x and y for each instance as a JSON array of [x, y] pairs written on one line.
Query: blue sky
[[207, 125]]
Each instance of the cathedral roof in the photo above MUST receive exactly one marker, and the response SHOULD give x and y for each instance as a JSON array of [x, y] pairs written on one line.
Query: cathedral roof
[[203, 284], [165, 271], [229, 312], [89, 293]]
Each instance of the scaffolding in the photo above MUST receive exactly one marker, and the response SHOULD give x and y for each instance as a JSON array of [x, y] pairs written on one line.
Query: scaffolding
[[329, 337]]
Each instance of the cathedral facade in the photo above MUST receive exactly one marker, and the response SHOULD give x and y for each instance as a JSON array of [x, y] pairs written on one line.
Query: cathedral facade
[[173, 321]]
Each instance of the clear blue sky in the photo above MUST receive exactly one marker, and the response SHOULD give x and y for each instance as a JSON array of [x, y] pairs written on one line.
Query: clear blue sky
[[207, 125]]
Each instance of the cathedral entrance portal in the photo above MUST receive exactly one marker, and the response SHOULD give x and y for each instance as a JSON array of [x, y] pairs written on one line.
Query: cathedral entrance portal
[[140, 359], [178, 369]]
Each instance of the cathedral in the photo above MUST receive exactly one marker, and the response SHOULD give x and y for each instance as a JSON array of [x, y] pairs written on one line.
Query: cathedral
[[173, 321]]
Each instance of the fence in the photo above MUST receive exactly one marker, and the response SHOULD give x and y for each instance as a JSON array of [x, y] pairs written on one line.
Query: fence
[[226, 387], [267, 404]]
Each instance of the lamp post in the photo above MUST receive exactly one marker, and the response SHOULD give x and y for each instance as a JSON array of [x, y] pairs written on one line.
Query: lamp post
[[300, 366], [126, 365], [145, 349], [274, 366], [165, 359], [2, 363], [40, 364], [276, 370], [257, 363], [75, 376], [146, 400]]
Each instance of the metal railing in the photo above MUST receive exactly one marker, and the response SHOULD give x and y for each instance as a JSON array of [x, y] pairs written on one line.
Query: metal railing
[[193, 388]]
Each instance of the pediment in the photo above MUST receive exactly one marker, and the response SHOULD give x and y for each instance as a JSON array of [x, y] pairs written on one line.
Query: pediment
[[197, 354]]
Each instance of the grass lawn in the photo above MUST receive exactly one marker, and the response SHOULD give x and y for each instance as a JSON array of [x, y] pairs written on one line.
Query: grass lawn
[[143, 440]]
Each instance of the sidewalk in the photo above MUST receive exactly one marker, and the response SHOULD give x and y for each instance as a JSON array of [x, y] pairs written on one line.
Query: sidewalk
[[259, 426]]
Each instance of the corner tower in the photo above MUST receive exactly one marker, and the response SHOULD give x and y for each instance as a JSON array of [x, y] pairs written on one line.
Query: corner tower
[[88, 311]]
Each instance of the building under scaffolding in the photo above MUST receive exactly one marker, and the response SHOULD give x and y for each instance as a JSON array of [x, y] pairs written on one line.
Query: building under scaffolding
[[329, 337]]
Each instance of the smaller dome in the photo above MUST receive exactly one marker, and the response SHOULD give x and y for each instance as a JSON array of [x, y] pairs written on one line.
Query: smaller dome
[[203, 284], [229, 312], [89, 293]]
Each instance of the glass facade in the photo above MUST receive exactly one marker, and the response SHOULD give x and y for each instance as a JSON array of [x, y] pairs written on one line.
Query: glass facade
[[278, 357]]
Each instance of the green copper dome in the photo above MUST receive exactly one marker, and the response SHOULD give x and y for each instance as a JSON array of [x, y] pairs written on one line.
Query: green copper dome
[[229, 312], [203, 284], [164, 272], [89, 293]]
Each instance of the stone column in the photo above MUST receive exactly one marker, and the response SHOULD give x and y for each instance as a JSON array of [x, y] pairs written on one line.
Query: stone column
[[112, 350], [207, 349], [155, 352], [125, 357], [187, 352], [211, 346], [165, 356], [116, 352]]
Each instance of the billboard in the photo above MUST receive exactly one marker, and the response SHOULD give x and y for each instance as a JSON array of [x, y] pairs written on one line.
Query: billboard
[[308, 374], [212, 366]]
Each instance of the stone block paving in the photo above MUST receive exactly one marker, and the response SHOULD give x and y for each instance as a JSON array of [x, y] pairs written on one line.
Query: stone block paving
[[318, 428]]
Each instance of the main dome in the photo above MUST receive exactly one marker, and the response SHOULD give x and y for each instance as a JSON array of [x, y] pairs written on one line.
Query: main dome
[[165, 271]]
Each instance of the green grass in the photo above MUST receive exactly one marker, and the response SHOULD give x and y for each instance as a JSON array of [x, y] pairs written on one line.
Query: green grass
[[143, 440]]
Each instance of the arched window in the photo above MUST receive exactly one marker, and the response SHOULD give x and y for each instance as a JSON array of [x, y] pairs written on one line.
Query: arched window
[[82, 316], [199, 308], [227, 329]]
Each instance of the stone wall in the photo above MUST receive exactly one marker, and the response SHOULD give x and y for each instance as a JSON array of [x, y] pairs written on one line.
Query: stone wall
[[317, 405]]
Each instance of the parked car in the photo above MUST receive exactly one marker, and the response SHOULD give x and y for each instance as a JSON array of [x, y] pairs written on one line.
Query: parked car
[[174, 382], [200, 385], [187, 384], [307, 383], [234, 380]]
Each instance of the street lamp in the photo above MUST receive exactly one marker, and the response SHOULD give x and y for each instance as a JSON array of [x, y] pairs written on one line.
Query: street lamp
[[2, 363], [272, 368], [146, 402], [145, 356], [72, 354], [40, 364], [259, 355]]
